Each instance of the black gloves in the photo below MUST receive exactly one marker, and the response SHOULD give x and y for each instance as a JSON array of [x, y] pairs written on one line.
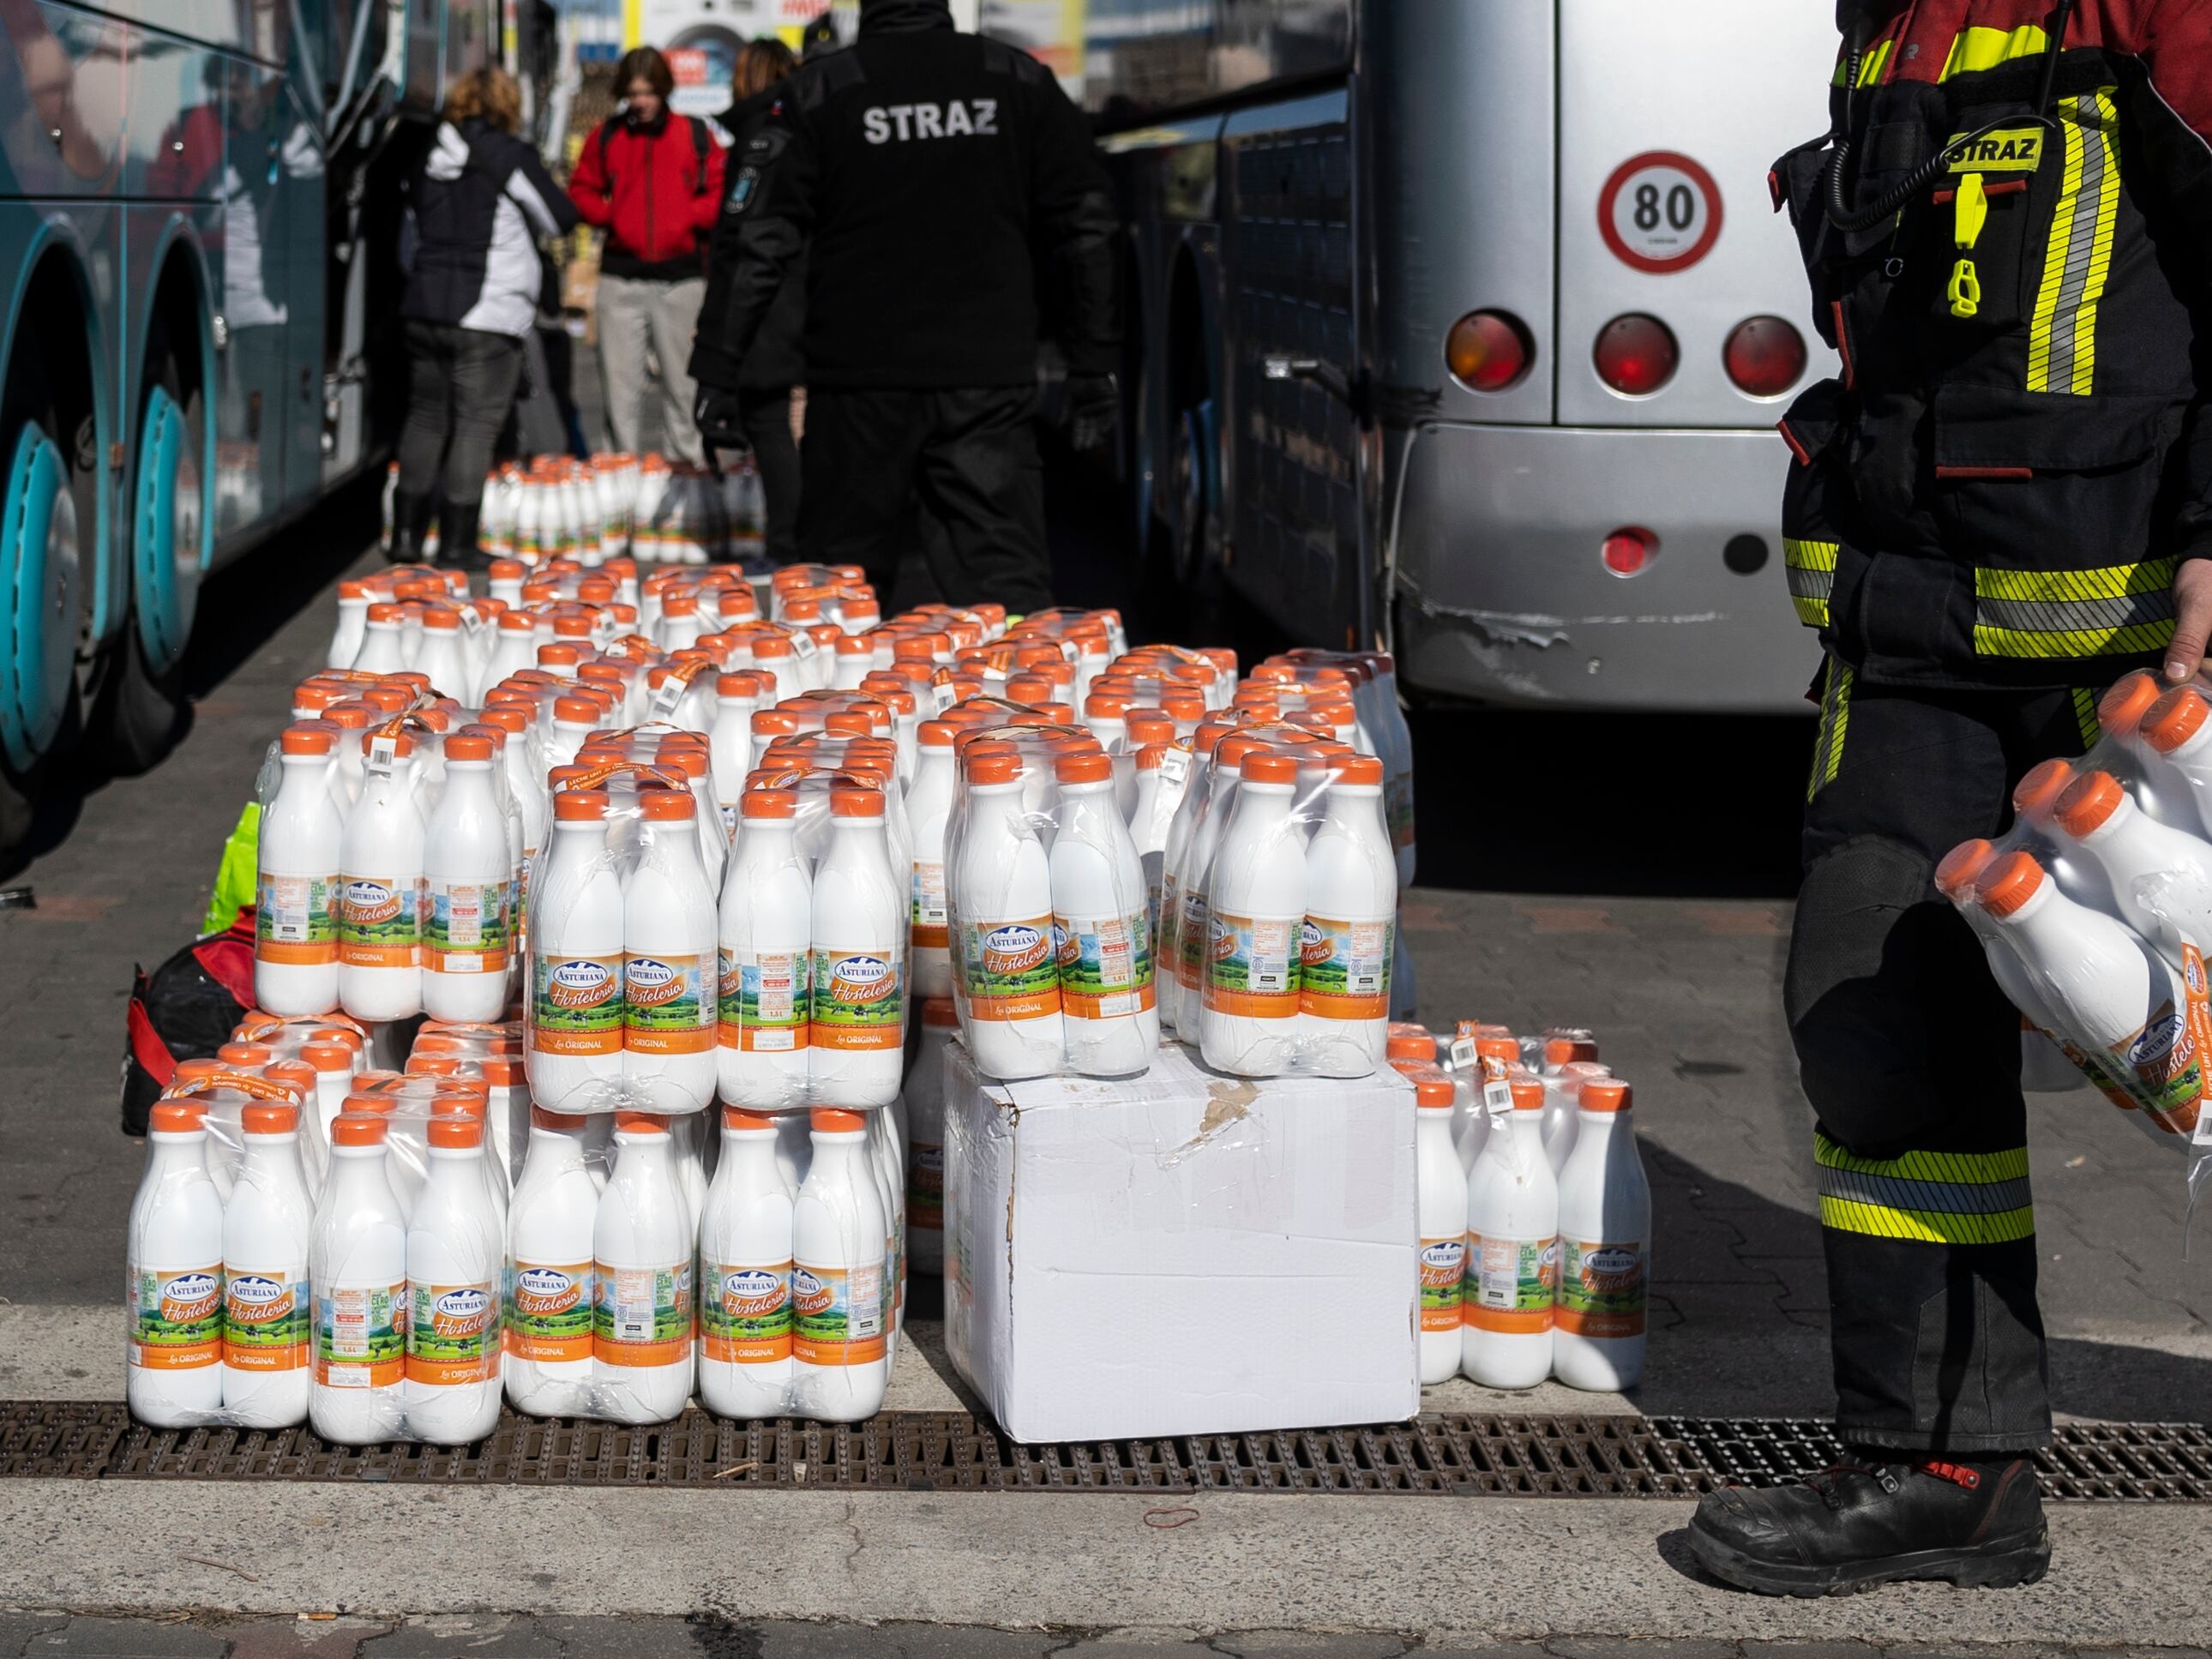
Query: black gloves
[[1094, 410], [716, 412]]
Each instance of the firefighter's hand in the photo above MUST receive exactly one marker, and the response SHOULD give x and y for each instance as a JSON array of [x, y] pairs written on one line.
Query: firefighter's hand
[[2192, 610], [720, 426]]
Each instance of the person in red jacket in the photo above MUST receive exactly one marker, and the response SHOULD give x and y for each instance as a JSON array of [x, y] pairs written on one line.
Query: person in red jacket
[[652, 181]]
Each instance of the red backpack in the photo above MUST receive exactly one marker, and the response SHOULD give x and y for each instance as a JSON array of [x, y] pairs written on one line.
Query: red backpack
[[185, 1009]]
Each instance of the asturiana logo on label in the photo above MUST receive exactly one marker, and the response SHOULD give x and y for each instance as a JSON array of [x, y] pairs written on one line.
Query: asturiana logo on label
[[860, 979], [255, 1299], [464, 1312], [580, 984], [1611, 1268], [1314, 947], [542, 1290], [369, 902], [651, 981], [809, 1294], [1014, 948], [191, 1296], [2158, 1036], [751, 1291]]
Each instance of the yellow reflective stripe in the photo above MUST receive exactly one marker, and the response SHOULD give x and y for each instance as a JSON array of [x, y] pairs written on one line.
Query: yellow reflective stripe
[[2085, 715], [2050, 586], [1928, 1226], [1813, 613], [1808, 555], [1982, 47], [1968, 1168], [1835, 719], [2132, 640], [2061, 345], [1870, 66]]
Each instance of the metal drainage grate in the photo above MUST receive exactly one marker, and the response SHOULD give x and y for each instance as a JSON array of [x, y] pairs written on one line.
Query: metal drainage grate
[[1453, 1453]]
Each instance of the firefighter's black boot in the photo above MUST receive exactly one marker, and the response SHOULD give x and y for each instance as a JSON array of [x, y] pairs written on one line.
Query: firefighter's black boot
[[1979, 1525], [457, 536], [411, 527]]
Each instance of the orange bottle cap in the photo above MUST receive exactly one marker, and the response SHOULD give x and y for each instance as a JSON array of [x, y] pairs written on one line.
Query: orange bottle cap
[[737, 1117], [351, 1128], [2008, 883], [1604, 1094], [830, 1120], [177, 1117], [2125, 702], [1528, 1094], [269, 1117], [456, 1133], [2089, 802], [1956, 875], [2174, 719], [640, 1123], [2037, 793]]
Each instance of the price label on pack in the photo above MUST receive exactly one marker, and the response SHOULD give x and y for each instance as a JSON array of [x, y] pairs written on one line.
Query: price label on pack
[[1174, 766]]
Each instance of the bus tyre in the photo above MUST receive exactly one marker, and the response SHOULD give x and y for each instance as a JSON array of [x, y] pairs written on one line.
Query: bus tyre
[[146, 710]]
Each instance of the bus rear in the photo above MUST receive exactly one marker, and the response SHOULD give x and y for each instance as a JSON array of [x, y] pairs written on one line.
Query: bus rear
[[1582, 347]]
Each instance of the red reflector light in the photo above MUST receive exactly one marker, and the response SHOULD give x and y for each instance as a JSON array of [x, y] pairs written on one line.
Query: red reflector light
[[1635, 354], [1488, 350], [1763, 356], [1628, 552]]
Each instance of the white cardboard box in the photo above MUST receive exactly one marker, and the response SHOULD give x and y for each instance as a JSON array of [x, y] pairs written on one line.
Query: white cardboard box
[[1185, 1253]]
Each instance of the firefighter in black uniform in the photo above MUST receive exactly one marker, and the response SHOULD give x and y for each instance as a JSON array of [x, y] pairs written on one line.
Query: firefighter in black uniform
[[920, 169], [2002, 503]]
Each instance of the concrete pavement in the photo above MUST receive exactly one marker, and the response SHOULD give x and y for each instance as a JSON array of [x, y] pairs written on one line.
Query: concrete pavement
[[1685, 995]]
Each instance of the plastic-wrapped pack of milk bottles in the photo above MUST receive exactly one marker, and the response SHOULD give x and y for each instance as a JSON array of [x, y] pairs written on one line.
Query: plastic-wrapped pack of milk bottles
[[1046, 909], [2095, 909], [1278, 902]]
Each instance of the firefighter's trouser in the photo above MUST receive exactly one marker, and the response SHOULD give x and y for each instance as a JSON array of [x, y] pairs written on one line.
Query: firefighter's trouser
[[1910, 1057]]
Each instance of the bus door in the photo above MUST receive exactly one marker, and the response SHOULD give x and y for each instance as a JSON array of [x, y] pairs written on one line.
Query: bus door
[[300, 228]]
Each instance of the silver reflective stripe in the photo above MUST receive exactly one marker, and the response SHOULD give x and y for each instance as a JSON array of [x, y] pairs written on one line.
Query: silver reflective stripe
[[1941, 1197], [2064, 615]]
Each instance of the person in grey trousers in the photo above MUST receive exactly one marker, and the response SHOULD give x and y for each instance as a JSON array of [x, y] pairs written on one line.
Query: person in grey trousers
[[652, 179]]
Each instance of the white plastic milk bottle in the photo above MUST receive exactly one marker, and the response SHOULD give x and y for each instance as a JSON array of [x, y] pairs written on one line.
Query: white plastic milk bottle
[[357, 1263], [2160, 877], [1002, 883], [549, 1305], [839, 1294], [745, 1364], [1443, 1198], [468, 867], [1512, 1245], [379, 913], [928, 805], [1100, 911], [1605, 1248], [455, 1266], [2108, 990], [174, 1276], [925, 1104], [641, 1254], [1352, 908], [2044, 1068], [766, 939], [575, 1030], [295, 943], [268, 1310], [856, 1004], [1255, 913], [669, 978]]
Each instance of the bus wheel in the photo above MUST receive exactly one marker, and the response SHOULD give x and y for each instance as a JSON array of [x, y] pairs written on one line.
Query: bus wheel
[[41, 575], [145, 711]]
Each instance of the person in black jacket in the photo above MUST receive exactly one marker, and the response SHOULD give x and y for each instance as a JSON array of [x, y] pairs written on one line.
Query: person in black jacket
[[920, 169], [774, 365], [478, 204]]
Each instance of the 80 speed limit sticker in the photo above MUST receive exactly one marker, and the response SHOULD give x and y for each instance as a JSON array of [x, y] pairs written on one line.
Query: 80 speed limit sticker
[[1660, 211]]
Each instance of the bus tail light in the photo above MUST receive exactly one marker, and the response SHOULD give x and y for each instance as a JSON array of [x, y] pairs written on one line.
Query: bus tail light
[[1635, 354], [1629, 550], [1489, 350], [1764, 357]]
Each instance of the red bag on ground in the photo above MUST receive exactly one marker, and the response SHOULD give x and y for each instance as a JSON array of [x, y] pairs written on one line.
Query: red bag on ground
[[185, 1009]]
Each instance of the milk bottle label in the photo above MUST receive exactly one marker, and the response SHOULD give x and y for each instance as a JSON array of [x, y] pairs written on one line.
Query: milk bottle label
[[1509, 1283], [840, 1314], [643, 1315], [925, 1187], [764, 1001], [1344, 969], [2162, 1067], [380, 921], [1444, 1267], [854, 1002], [361, 1335], [576, 1005], [668, 1009], [549, 1311], [1190, 940], [744, 1312], [176, 1317], [468, 928], [293, 923], [267, 1319], [1013, 968], [930, 929], [1601, 1288], [454, 1336], [1252, 967], [1105, 965]]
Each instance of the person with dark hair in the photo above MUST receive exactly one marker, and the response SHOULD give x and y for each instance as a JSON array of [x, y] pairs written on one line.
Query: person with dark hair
[[479, 202], [925, 173], [652, 180], [774, 365]]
